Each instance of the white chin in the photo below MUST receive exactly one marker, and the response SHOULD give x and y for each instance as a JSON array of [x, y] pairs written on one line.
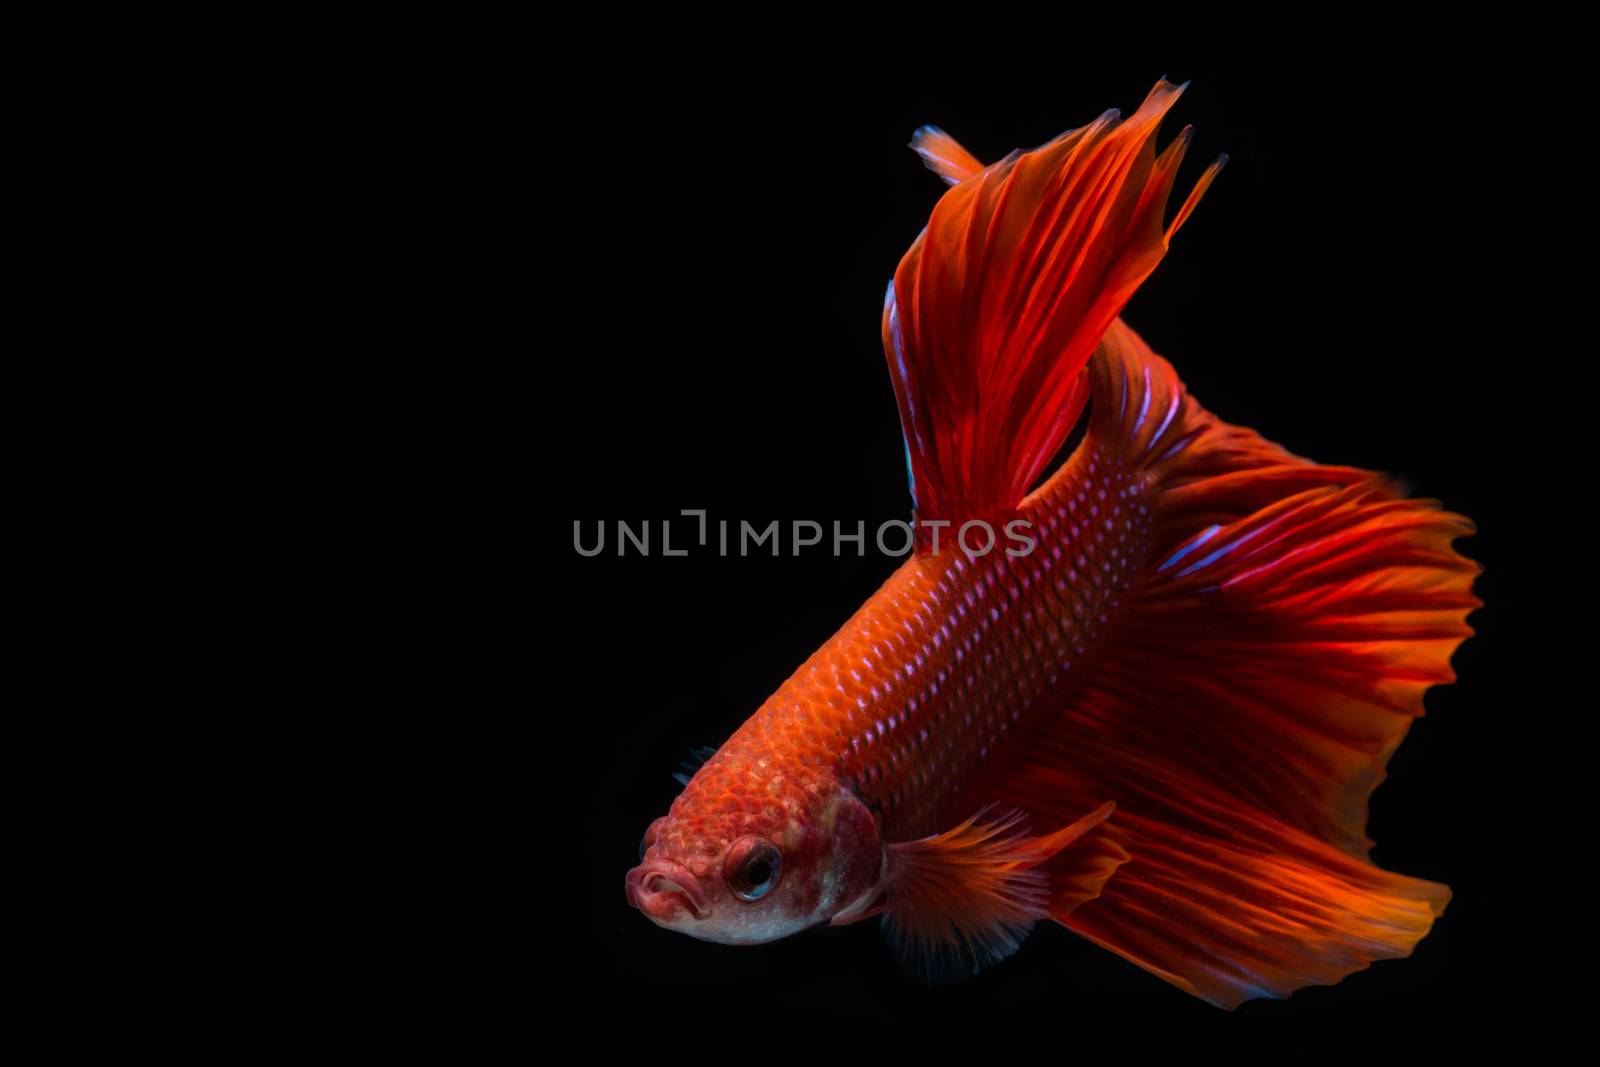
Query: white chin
[[753, 931]]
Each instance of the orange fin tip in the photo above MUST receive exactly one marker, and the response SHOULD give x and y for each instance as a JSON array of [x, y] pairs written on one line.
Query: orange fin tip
[[943, 155]]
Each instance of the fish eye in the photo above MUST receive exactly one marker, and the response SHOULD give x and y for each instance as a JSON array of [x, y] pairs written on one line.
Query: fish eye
[[753, 868]]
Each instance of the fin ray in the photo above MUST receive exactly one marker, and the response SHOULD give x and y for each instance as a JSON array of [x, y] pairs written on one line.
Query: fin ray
[[960, 900]]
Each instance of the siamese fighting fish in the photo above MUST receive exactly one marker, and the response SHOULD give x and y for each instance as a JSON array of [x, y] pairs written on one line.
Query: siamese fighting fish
[[1157, 718]]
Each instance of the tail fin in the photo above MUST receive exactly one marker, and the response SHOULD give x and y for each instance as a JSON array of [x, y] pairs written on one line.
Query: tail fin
[[996, 308], [1250, 693]]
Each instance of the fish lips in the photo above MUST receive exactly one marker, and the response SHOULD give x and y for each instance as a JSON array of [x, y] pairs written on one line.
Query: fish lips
[[663, 889]]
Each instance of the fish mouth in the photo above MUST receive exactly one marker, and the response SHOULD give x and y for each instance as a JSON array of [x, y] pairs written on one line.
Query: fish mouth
[[662, 888]]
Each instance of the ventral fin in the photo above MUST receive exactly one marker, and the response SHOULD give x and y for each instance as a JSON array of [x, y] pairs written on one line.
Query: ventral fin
[[961, 900]]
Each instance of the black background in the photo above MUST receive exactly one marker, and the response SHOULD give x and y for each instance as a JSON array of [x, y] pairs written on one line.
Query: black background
[[720, 236]]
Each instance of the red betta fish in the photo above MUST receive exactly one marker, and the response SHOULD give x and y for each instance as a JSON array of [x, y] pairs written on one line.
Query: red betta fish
[[1160, 726]]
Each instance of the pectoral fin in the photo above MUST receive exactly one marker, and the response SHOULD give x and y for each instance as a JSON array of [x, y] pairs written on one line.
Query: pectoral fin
[[961, 900]]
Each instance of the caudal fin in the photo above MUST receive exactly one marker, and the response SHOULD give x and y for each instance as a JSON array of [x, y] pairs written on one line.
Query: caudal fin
[[995, 310], [1255, 683]]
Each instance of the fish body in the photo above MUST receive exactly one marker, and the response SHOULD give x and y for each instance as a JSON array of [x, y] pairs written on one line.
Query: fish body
[[1160, 722]]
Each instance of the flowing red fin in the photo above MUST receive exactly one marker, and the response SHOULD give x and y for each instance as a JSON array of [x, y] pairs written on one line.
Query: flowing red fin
[[1255, 683], [1291, 608], [1230, 920], [963, 899], [1214, 895], [998, 305]]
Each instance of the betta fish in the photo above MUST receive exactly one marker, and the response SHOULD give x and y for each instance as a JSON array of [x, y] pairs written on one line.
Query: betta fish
[[1156, 720]]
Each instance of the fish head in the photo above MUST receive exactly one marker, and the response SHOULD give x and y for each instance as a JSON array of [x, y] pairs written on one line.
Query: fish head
[[749, 853]]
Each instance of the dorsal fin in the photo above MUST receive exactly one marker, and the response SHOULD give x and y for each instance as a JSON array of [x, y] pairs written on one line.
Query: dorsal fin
[[998, 305]]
